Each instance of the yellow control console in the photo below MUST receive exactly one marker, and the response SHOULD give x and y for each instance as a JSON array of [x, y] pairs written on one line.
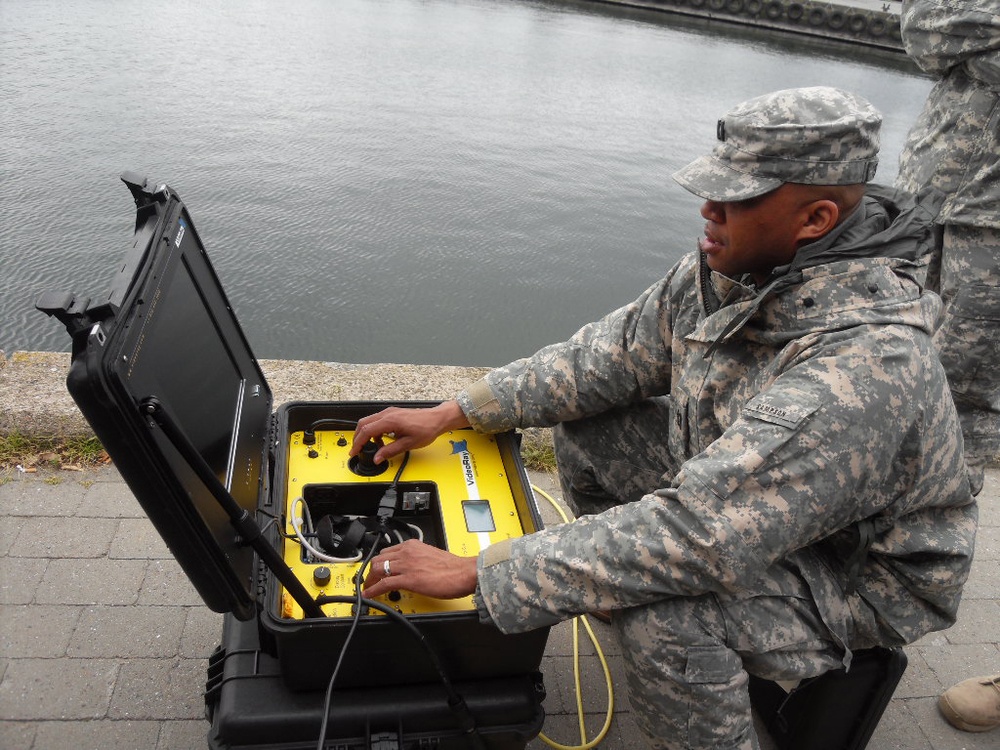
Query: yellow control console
[[462, 493]]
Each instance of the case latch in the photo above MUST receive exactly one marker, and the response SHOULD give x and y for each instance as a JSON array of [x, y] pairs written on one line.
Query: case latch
[[68, 309], [144, 192]]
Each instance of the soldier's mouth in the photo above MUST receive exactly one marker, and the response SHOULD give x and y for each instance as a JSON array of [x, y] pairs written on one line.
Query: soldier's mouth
[[710, 244]]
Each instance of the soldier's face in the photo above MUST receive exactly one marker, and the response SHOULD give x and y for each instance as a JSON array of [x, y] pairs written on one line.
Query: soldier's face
[[753, 236]]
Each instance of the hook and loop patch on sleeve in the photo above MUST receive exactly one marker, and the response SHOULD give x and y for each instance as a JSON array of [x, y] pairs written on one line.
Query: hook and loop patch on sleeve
[[787, 408]]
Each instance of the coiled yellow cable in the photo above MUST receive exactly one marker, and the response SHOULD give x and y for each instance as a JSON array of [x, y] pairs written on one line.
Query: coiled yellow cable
[[585, 744]]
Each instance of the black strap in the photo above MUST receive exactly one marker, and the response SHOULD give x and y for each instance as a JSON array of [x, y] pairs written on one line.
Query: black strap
[[865, 531]]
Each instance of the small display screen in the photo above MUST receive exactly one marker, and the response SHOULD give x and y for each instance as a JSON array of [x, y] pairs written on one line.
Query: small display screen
[[478, 516]]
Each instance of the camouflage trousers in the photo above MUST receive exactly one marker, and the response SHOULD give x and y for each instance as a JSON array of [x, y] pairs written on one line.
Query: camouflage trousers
[[967, 276], [687, 658]]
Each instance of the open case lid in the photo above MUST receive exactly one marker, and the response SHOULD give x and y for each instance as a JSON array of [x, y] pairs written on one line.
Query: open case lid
[[166, 331]]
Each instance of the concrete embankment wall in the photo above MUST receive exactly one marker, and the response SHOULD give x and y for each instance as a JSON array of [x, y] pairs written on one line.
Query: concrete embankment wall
[[870, 22], [34, 400]]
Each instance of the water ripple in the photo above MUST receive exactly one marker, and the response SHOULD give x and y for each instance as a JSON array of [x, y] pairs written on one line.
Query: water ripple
[[434, 181]]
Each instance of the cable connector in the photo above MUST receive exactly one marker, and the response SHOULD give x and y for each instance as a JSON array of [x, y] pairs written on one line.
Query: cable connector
[[387, 505], [461, 711]]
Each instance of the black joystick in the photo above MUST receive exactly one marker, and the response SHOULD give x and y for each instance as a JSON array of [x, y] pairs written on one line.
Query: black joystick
[[364, 464]]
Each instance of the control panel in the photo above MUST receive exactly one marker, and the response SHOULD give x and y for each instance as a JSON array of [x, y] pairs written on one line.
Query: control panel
[[454, 494]]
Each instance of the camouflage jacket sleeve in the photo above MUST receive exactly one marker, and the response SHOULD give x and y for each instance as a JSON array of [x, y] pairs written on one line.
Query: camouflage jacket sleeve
[[825, 444], [954, 143], [942, 34], [614, 361]]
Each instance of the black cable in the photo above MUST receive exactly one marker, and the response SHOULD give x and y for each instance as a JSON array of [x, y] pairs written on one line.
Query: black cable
[[399, 471], [309, 434], [455, 701], [332, 421], [399, 618], [387, 506], [358, 601]]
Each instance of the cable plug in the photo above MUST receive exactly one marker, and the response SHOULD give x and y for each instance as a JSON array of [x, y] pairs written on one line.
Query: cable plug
[[466, 721], [387, 505]]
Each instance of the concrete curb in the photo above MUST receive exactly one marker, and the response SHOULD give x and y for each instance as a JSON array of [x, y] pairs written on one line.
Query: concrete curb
[[34, 400]]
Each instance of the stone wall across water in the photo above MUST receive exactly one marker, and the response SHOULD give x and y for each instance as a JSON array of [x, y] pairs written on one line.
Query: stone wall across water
[[869, 22]]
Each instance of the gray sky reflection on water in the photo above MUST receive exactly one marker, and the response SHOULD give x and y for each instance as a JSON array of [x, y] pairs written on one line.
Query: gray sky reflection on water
[[427, 181]]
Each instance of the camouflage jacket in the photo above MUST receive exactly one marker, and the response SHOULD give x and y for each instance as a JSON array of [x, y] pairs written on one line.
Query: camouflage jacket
[[955, 143], [796, 412]]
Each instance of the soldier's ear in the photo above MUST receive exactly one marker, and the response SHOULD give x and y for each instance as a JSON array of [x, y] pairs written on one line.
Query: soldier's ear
[[816, 219]]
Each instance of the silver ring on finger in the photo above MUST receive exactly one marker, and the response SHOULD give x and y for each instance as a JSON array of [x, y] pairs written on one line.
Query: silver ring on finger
[[386, 569]]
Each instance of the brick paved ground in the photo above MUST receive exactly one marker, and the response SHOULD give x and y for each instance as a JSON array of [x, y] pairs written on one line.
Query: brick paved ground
[[103, 641]]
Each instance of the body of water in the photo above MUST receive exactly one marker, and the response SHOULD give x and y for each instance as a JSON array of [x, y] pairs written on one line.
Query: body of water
[[421, 181]]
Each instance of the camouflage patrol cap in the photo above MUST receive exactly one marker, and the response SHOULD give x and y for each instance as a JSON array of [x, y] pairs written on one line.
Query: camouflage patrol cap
[[815, 136]]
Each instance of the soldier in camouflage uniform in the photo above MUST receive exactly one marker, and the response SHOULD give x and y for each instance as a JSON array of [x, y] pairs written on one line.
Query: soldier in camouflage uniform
[[955, 146], [762, 445]]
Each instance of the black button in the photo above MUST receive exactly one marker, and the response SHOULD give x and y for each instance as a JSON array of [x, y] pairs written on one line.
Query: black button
[[808, 302]]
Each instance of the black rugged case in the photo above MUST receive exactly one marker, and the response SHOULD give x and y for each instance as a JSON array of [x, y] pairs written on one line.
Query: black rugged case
[[838, 710], [163, 372], [250, 706]]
